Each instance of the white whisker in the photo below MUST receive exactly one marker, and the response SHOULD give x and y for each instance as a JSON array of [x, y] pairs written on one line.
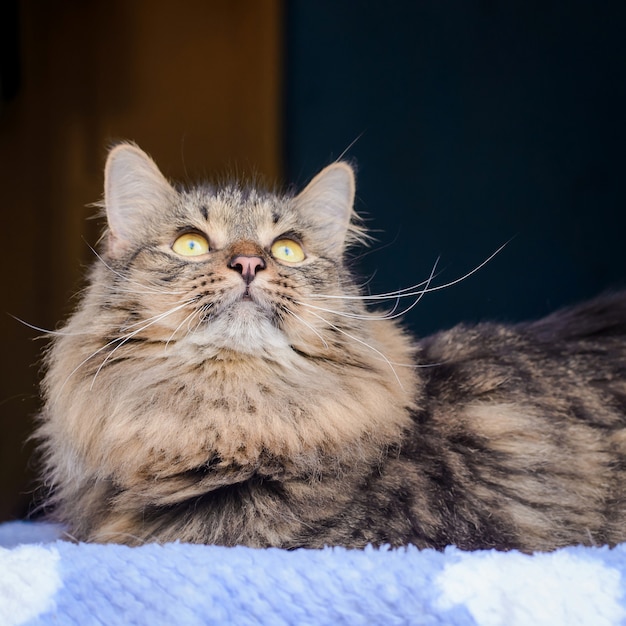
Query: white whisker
[[201, 317], [188, 320], [122, 340], [146, 291], [151, 287], [390, 295], [125, 339], [307, 325], [386, 316], [465, 276], [415, 290], [420, 295], [352, 316], [349, 147], [56, 333], [364, 343], [365, 283], [158, 316], [91, 356]]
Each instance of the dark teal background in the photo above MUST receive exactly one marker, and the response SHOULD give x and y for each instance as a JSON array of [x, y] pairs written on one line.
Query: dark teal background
[[477, 123]]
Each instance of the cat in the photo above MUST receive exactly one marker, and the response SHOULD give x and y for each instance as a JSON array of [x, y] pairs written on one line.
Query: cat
[[222, 381]]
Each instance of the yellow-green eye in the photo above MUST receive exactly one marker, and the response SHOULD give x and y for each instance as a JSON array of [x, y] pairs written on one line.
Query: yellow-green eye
[[191, 244], [287, 250]]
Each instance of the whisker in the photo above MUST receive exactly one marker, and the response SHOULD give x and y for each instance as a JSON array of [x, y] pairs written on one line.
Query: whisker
[[204, 309], [368, 281], [364, 343], [146, 290], [393, 315], [386, 316], [376, 250], [188, 320], [414, 290], [352, 316], [124, 340], [346, 150], [307, 325], [57, 333], [465, 276], [158, 316], [398, 293], [152, 287], [91, 356]]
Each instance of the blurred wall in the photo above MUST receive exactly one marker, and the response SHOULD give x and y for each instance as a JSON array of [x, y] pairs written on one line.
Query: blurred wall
[[196, 84], [472, 123]]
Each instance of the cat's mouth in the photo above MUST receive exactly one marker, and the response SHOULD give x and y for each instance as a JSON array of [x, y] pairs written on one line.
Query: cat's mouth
[[246, 301], [248, 297], [244, 322], [251, 294]]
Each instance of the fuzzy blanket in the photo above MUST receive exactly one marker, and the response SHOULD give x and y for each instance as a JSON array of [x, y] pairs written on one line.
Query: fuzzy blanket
[[44, 580]]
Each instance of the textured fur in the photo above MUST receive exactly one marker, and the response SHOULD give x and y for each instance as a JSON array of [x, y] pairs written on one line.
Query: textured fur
[[181, 403]]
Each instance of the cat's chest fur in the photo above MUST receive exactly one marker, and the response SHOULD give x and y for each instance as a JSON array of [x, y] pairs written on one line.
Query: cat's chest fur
[[222, 381]]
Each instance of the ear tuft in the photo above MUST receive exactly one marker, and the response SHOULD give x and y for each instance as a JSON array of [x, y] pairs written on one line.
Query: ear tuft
[[134, 192]]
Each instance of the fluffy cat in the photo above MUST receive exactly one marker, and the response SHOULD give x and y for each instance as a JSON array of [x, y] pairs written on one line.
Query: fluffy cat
[[222, 381]]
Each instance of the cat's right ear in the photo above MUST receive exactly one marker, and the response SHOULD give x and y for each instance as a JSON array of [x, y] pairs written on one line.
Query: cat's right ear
[[135, 192]]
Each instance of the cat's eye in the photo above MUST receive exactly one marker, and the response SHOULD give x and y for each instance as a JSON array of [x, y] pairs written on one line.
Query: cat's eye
[[288, 251], [191, 244]]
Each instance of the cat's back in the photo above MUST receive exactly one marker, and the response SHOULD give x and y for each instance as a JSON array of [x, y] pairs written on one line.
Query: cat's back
[[581, 345], [601, 320], [530, 419]]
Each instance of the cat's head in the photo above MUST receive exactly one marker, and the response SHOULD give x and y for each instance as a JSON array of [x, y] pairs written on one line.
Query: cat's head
[[233, 267]]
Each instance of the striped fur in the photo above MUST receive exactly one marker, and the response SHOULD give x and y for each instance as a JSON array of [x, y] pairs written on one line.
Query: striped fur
[[178, 407]]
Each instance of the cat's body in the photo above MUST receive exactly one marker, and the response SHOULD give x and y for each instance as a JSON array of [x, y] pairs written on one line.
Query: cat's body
[[222, 382]]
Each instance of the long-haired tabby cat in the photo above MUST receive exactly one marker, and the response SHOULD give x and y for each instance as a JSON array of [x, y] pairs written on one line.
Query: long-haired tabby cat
[[222, 381]]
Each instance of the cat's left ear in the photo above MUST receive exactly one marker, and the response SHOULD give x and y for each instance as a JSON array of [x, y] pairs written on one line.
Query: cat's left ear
[[326, 203], [135, 194]]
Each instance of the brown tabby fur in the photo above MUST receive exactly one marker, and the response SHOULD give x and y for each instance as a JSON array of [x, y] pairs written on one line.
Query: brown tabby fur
[[179, 407]]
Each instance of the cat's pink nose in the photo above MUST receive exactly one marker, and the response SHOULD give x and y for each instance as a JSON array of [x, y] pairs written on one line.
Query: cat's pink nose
[[247, 266]]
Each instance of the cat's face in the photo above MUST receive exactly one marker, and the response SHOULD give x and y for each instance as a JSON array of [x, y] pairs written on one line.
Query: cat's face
[[230, 269]]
